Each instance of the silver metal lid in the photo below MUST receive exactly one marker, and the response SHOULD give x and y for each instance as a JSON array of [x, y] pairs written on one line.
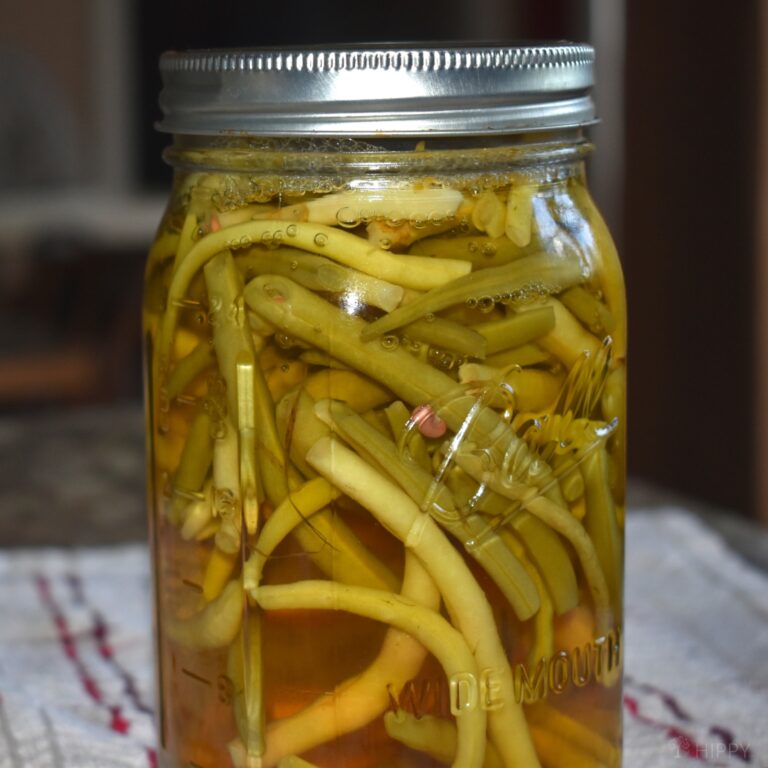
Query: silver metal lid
[[378, 90]]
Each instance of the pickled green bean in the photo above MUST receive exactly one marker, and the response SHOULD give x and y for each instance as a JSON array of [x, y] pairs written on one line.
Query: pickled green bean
[[472, 531], [189, 368], [600, 521], [524, 278], [466, 602], [561, 520], [606, 265], [525, 355], [447, 334], [445, 642], [432, 735], [194, 463], [295, 510], [517, 329], [360, 699], [483, 252], [320, 274], [300, 313], [409, 271]]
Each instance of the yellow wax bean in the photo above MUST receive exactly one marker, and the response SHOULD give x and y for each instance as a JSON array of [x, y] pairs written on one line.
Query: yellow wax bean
[[551, 719], [425, 625], [348, 249], [216, 626], [298, 508], [282, 378], [600, 521], [186, 239], [518, 222], [489, 214], [607, 267], [589, 310], [200, 359], [245, 670], [474, 533], [358, 392], [432, 735], [360, 699], [218, 571], [533, 390], [568, 340], [198, 514], [467, 604], [348, 208]]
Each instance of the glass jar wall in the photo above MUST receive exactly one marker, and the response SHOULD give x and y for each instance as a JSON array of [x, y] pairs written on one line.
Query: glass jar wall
[[386, 395]]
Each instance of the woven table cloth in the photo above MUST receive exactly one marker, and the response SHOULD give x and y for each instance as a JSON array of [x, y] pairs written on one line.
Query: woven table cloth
[[76, 665]]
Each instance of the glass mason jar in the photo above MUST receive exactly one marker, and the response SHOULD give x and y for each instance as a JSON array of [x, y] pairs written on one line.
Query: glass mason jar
[[385, 336]]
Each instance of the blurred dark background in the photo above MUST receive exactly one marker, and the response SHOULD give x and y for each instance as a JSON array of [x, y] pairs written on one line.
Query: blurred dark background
[[679, 172]]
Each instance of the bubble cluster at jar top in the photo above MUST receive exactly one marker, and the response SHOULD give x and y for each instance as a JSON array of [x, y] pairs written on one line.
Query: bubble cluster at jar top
[[387, 459]]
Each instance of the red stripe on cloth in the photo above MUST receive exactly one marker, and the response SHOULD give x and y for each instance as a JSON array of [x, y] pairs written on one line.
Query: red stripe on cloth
[[724, 735], [100, 633], [68, 643], [685, 742], [152, 758]]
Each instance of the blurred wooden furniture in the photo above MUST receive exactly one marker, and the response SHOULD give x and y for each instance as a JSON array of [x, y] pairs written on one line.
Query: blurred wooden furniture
[[761, 292], [71, 309]]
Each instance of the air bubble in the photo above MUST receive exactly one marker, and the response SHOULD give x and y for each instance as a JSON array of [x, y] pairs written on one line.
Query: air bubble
[[447, 360], [429, 317], [346, 217], [385, 243], [320, 239], [489, 250], [293, 266], [472, 246], [291, 230], [471, 302], [283, 340], [390, 342]]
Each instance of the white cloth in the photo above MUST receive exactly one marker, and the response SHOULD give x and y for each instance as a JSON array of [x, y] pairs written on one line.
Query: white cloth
[[76, 668], [696, 664]]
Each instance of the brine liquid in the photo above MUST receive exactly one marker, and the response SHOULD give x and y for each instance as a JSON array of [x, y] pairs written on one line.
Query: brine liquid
[[570, 693]]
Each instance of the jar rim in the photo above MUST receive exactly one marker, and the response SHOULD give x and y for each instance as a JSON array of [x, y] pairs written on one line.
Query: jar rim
[[378, 90]]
